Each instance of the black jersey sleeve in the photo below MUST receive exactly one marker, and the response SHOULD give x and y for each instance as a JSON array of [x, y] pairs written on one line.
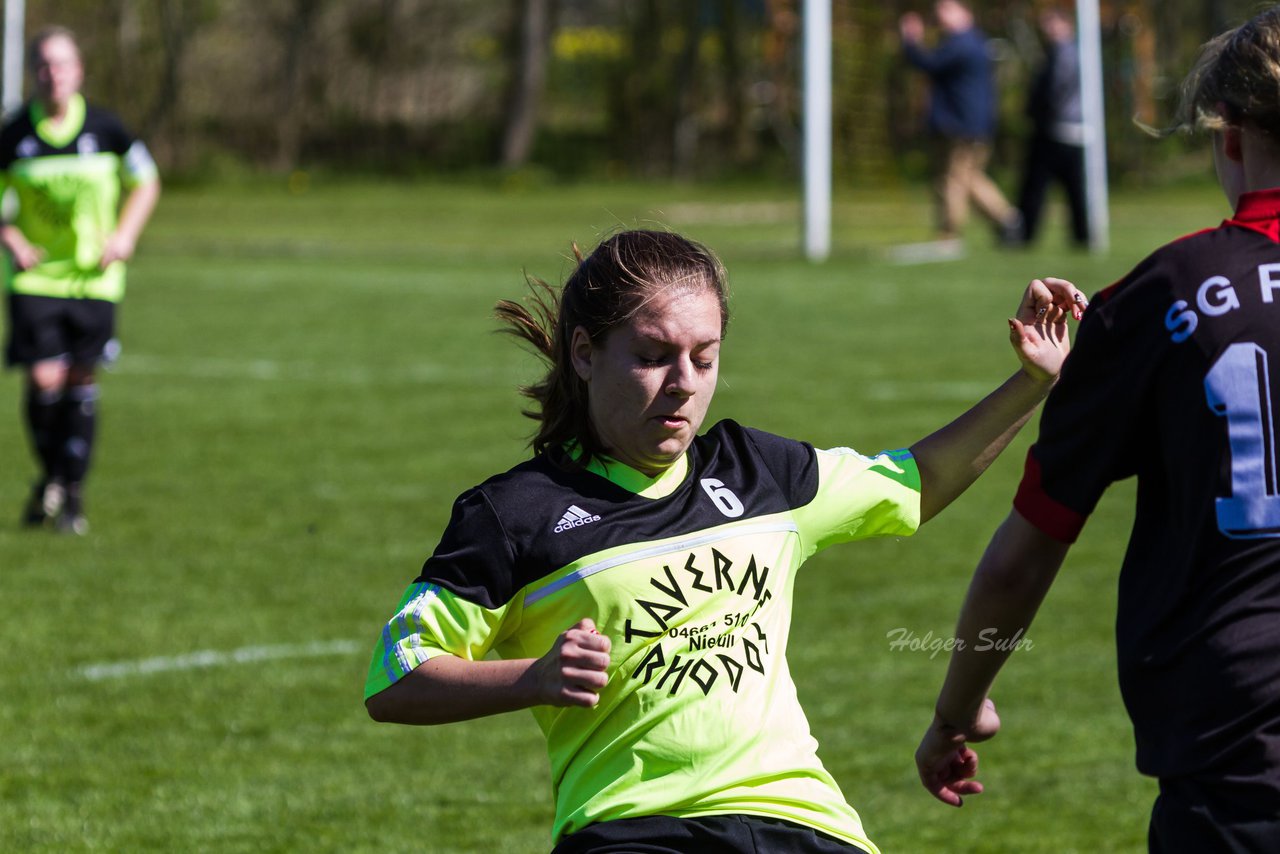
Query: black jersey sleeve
[[474, 559], [1092, 422], [14, 130], [792, 464], [111, 131], [137, 164]]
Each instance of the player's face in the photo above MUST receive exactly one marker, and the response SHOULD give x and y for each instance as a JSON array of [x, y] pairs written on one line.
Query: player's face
[[58, 71], [651, 380]]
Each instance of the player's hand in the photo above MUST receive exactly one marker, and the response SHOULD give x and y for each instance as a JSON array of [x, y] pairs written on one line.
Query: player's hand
[[944, 760], [118, 247], [1039, 331], [911, 27], [24, 254], [574, 671]]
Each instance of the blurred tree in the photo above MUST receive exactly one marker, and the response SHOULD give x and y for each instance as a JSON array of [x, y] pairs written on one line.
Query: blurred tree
[[677, 98], [179, 22], [294, 25], [685, 88], [777, 92], [528, 79], [866, 74]]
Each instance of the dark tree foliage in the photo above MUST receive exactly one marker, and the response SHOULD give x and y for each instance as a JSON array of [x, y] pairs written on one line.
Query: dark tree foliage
[[685, 89]]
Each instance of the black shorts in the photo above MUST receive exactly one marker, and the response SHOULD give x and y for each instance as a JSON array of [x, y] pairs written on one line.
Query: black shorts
[[41, 328], [712, 834], [1193, 816]]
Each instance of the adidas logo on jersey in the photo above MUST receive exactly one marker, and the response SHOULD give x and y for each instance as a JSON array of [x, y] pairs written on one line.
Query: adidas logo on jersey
[[575, 517]]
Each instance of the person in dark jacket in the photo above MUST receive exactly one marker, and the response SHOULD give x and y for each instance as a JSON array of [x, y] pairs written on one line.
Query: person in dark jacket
[[1055, 152], [961, 119]]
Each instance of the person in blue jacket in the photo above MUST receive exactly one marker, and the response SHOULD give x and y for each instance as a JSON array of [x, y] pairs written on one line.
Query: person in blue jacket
[[961, 119]]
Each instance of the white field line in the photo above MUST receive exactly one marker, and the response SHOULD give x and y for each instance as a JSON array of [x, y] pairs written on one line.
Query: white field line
[[929, 252], [214, 658], [733, 213], [271, 370]]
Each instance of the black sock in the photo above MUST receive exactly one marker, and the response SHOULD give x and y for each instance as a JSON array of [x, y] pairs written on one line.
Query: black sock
[[43, 409], [79, 417]]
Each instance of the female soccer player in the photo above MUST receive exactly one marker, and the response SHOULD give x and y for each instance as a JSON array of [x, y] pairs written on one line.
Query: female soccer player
[[636, 577], [67, 246], [1170, 381]]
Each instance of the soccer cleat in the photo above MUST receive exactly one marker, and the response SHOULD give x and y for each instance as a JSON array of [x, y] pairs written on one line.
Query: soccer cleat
[[72, 519], [72, 523], [1012, 232], [45, 503]]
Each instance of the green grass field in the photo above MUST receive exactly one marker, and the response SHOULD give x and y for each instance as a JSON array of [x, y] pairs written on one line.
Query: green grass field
[[309, 379]]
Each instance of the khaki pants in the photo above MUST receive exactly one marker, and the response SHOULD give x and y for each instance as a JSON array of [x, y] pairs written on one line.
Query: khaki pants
[[962, 178]]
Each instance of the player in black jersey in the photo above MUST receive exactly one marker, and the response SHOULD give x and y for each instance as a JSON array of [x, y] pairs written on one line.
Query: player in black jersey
[[1170, 381]]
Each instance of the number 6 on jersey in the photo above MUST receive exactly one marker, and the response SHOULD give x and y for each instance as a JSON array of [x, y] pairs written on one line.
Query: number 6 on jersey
[[726, 502]]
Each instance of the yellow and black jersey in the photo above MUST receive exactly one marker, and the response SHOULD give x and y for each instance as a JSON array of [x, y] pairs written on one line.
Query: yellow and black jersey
[[690, 574], [67, 178]]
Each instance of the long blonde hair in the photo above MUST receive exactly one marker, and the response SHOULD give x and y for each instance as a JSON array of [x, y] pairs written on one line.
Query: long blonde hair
[[1236, 78]]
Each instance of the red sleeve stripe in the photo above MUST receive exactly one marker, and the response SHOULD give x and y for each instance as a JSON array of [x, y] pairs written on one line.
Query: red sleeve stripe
[[1050, 516]]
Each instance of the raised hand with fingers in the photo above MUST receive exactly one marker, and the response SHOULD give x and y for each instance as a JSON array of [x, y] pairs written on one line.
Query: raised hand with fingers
[[1039, 331]]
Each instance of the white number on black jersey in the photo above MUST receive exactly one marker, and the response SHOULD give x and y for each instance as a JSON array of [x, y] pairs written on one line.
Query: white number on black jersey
[[726, 502]]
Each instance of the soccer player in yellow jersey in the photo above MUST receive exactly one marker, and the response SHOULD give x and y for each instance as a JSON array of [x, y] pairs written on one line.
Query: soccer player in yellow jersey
[[67, 163], [635, 577]]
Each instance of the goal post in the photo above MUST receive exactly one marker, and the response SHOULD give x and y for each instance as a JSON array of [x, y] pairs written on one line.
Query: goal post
[[14, 59], [1089, 41], [816, 35], [817, 129]]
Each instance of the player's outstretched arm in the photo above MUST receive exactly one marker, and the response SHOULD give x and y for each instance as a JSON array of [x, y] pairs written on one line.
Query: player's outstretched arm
[[951, 459], [447, 688], [1008, 586]]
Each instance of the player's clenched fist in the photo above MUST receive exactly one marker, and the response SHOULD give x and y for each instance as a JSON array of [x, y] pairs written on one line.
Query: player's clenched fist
[[574, 670]]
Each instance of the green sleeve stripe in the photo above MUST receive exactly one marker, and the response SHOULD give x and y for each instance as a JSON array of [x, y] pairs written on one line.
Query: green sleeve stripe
[[907, 472], [859, 497]]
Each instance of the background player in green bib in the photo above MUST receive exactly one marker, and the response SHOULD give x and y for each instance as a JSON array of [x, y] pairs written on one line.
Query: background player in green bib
[[635, 577], [67, 163]]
